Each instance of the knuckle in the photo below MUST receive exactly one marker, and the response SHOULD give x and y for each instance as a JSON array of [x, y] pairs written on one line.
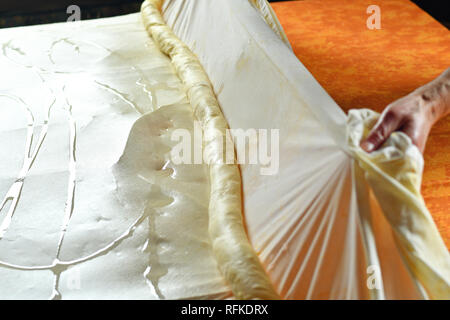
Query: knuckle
[[391, 115], [379, 134]]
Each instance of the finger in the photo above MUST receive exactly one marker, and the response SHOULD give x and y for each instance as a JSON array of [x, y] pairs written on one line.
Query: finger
[[388, 123]]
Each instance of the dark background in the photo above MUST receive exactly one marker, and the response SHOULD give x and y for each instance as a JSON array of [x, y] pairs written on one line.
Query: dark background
[[28, 12]]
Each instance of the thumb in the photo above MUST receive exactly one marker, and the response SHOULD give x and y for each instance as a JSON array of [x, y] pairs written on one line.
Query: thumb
[[387, 124]]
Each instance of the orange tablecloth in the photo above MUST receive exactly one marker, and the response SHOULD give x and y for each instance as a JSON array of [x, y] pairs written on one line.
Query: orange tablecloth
[[362, 68]]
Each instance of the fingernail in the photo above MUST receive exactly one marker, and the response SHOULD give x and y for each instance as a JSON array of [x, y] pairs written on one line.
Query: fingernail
[[367, 146]]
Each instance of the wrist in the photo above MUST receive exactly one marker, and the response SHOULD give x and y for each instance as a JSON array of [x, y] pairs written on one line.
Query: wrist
[[434, 97]]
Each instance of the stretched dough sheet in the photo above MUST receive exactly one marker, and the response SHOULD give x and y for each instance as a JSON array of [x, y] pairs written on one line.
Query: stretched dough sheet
[[91, 206], [332, 213], [94, 207], [234, 254], [381, 61]]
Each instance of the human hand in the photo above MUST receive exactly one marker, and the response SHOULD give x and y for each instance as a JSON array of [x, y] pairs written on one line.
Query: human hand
[[413, 114]]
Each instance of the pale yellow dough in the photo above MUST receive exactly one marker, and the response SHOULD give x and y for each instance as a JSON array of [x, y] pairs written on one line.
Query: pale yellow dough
[[104, 212], [235, 256]]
